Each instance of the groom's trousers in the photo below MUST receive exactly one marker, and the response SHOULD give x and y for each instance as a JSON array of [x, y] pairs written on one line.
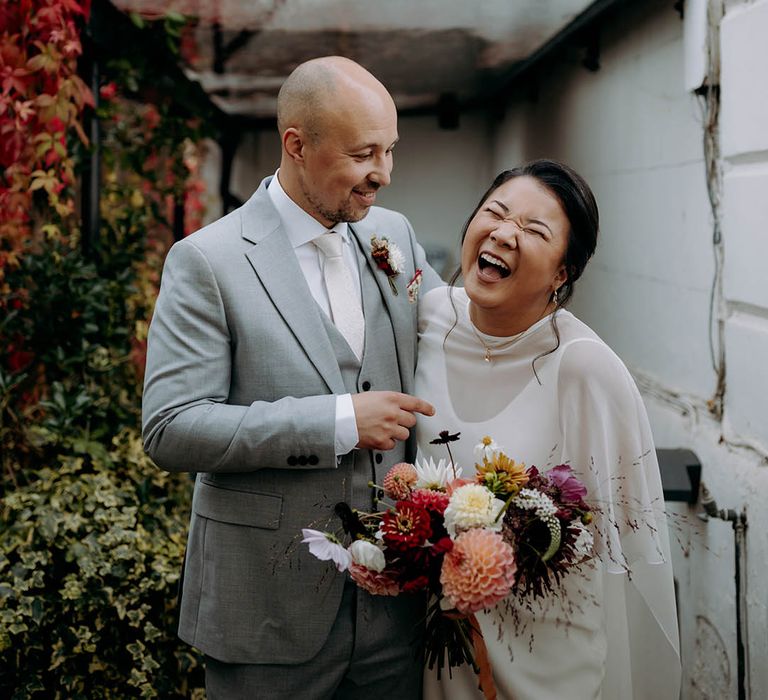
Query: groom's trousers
[[365, 656]]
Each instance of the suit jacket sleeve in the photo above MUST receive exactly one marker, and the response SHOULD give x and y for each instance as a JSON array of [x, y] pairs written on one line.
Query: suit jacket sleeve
[[188, 424]]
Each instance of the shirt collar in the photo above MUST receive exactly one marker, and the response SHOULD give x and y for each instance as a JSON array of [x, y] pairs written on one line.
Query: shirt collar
[[299, 226]]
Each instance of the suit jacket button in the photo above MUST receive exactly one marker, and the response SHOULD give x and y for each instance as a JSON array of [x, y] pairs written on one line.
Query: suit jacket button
[[302, 460], [313, 459], [292, 461], [366, 385], [378, 458]]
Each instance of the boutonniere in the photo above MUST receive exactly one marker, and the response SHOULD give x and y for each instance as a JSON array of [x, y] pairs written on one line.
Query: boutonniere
[[413, 287], [388, 257]]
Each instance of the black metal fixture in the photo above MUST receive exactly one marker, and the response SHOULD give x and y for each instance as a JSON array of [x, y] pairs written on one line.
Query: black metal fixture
[[680, 474]]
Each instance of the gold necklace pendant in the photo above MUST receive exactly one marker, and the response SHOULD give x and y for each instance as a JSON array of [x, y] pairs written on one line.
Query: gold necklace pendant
[[487, 354]]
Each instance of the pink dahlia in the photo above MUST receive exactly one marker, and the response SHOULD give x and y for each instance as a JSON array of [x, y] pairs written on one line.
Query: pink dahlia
[[376, 583], [479, 571], [431, 500], [399, 481]]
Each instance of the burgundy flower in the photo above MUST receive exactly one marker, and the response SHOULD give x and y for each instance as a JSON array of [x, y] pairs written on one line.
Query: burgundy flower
[[571, 489], [417, 584]]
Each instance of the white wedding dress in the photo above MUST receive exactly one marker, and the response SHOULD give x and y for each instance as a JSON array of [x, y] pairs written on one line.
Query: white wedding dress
[[612, 633]]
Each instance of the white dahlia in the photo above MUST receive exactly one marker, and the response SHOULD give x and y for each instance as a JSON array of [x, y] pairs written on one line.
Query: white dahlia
[[434, 476], [472, 505]]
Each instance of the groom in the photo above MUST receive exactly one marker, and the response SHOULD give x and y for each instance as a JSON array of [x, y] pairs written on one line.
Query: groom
[[281, 357]]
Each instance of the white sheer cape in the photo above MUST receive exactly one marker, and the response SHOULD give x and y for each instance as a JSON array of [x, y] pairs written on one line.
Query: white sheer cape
[[613, 633]]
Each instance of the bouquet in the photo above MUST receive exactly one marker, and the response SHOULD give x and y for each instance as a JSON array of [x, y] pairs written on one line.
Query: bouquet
[[467, 542]]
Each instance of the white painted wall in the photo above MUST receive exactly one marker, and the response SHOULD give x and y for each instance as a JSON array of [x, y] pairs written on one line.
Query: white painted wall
[[744, 138], [438, 177], [634, 130]]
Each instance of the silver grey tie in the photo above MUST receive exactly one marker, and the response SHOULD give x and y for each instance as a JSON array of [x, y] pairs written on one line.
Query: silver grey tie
[[346, 312]]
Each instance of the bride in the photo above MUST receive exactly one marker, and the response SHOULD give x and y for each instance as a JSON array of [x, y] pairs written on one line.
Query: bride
[[501, 357]]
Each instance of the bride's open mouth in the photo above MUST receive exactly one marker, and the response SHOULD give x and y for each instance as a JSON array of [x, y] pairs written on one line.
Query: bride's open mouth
[[492, 268]]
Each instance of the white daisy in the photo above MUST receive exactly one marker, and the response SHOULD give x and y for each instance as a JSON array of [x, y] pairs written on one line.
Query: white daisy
[[486, 449]]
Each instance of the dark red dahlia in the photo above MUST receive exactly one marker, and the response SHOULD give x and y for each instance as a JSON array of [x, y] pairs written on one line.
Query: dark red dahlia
[[407, 526]]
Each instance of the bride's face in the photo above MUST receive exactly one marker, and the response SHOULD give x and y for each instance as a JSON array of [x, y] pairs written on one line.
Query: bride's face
[[513, 252]]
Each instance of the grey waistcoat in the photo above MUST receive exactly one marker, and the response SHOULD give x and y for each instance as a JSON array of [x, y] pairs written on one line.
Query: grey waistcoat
[[375, 373]]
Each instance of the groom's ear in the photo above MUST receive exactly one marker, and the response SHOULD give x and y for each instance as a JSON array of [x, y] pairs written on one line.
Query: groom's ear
[[293, 144]]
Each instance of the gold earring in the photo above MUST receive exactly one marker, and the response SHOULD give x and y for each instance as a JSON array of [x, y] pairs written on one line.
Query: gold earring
[[554, 297]]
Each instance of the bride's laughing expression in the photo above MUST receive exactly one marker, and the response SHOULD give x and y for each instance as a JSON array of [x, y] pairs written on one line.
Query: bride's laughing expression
[[512, 256]]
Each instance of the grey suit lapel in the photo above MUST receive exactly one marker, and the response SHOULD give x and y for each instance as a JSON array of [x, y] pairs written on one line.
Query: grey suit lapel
[[397, 306], [275, 263]]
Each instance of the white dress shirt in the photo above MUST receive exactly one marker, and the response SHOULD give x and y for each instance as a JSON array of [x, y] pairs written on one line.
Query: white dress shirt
[[301, 228]]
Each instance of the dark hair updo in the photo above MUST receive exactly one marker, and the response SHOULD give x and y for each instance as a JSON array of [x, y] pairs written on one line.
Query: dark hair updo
[[578, 203]]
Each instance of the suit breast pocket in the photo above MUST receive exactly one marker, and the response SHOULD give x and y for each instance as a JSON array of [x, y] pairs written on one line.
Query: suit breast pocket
[[238, 507]]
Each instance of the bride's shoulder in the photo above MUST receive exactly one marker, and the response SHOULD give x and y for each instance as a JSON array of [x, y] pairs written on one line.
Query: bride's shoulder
[[437, 303], [585, 358]]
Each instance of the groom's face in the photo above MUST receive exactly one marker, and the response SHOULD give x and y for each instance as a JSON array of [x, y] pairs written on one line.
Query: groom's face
[[348, 160]]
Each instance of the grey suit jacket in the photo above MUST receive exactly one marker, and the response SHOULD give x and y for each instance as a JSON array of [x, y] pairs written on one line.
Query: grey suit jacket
[[240, 388]]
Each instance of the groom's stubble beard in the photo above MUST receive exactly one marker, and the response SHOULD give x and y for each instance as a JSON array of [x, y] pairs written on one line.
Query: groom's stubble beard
[[345, 212]]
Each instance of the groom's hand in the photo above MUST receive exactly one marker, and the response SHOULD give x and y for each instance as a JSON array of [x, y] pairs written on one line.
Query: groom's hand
[[384, 417]]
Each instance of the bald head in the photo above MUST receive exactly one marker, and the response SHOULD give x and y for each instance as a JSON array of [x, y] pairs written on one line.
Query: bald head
[[338, 126], [324, 87]]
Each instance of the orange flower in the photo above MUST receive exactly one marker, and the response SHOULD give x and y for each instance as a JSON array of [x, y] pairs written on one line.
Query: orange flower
[[501, 474], [479, 571]]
